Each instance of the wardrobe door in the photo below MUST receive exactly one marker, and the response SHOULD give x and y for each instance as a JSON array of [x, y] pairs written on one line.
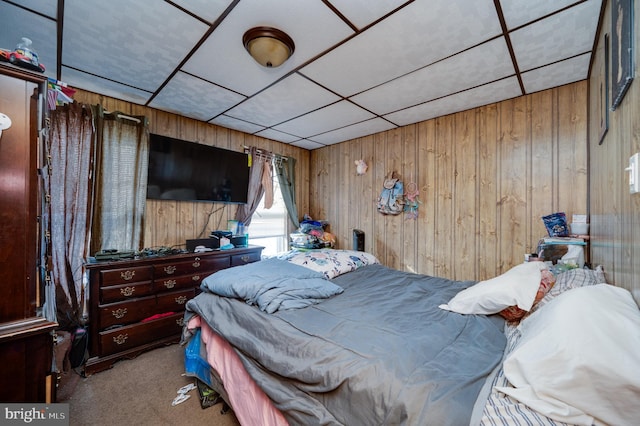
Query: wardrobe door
[[18, 201]]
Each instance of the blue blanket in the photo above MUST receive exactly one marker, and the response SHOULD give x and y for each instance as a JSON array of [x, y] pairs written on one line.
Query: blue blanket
[[271, 284]]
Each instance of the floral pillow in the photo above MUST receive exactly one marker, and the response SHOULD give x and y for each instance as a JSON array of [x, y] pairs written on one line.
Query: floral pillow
[[547, 280], [329, 262]]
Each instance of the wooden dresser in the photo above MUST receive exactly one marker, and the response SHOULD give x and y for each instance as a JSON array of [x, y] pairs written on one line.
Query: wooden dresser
[[137, 305]]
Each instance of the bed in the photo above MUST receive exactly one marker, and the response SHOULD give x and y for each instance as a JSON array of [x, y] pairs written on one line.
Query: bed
[[330, 337]]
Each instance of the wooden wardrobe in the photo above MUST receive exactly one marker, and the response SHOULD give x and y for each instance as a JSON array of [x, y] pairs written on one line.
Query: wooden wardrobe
[[26, 338]]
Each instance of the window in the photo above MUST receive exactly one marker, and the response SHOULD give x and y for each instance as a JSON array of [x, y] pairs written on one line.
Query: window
[[269, 226]]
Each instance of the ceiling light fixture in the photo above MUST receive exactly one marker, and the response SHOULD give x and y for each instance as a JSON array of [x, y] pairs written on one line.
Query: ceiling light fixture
[[270, 47]]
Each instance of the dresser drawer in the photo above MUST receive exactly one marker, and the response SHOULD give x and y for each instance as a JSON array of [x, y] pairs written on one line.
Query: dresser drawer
[[131, 336], [244, 258], [127, 312], [125, 291], [125, 275], [193, 266], [174, 301], [175, 283]]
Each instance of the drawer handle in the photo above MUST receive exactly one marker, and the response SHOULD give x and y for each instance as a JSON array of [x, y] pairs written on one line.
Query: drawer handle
[[119, 313], [181, 300], [180, 321], [195, 277], [120, 339], [169, 269], [127, 275], [245, 258], [196, 263], [127, 291], [170, 283]]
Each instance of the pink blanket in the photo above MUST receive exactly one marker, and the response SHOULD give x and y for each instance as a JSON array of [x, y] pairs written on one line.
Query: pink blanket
[[250, 404]]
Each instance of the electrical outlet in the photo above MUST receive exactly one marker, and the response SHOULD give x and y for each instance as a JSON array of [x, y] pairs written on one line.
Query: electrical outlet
[[634, 173]]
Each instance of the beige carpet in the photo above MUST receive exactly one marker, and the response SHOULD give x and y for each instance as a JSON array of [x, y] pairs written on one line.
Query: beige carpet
[[140, 392]]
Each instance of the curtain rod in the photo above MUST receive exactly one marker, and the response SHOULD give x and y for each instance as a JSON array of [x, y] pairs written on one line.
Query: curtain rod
[[266, 154], [126, 117]]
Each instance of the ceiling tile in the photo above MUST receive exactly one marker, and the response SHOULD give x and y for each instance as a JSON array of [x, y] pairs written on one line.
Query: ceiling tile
[[234, 123], [194, 98], [417, 35], [289, 98], [357, 130], [519, 12], [45, 7], [487, 62], [307, 144], [558, 37], [363, 12], [557, 74], [483, 95], [330, 117], [109, 39], [209, 10], [277, 136], [223, 58], [106, 87]]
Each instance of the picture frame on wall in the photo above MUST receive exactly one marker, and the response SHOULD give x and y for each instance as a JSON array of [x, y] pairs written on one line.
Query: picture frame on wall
[[621, 49], [603, 93]]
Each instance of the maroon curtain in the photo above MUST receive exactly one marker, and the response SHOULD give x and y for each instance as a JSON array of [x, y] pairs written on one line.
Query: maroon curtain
[[259, 161], [71, 147]]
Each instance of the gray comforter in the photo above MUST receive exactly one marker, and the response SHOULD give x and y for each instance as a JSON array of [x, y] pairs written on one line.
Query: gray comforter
[[381, 352], [272, 285]]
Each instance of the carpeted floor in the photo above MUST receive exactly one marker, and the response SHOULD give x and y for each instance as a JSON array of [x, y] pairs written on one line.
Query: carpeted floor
[[139, 392]]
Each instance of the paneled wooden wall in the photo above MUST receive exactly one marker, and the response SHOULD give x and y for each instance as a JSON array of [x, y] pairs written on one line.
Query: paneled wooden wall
[[486, 176], [171, 223], [615, 213]]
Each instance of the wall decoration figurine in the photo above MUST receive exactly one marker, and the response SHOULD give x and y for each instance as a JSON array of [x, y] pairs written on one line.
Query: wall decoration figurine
[[411, 202], [361, 167], [391, 199]]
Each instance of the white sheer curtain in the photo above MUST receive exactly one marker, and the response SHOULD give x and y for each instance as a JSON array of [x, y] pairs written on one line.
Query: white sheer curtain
[[120, 182]]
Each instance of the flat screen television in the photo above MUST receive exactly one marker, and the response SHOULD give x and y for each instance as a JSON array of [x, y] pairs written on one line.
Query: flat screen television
[[189, 171]]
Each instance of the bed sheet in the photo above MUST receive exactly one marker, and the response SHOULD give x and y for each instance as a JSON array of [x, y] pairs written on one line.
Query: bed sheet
[[251, 405]]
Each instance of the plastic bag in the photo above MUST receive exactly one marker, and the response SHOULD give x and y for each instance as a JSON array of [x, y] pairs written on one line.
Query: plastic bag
[[556, 224]]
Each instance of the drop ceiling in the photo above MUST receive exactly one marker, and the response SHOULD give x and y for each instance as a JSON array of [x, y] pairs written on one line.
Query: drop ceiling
[[359, 66]]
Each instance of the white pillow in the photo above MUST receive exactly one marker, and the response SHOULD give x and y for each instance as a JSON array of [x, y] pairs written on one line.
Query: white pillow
[[578, 358], [516, 287]]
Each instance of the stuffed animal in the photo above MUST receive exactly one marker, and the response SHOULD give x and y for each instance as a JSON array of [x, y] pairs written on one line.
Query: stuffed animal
[[361, 167]]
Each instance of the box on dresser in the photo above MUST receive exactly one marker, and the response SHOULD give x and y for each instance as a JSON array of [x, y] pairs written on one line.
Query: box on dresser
[[137, 305]]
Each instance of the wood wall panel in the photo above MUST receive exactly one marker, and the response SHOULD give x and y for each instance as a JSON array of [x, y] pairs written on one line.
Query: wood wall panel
[[615, 213], [487, 237], [486, 176], [426, 161], [171, 223]]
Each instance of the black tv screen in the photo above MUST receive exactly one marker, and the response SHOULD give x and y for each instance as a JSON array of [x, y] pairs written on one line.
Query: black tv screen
[[188, 171]]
